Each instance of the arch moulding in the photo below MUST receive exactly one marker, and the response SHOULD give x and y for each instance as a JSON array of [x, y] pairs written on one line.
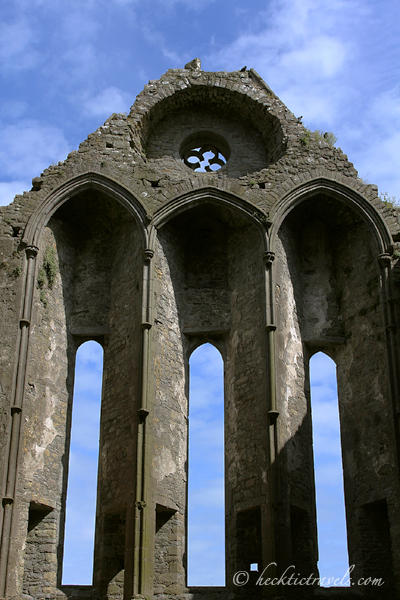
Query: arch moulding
[[364, 208], [89, 180], [210, 195]]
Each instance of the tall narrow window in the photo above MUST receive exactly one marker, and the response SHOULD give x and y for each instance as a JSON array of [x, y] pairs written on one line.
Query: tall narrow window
[[83, 461], [331, 521], [206, 536]]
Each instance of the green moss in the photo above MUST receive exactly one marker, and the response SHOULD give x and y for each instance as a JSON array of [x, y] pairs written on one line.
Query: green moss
[[48, 271], [43, 298], [49, 265], [41, 278], [306, 138], [17, 271]]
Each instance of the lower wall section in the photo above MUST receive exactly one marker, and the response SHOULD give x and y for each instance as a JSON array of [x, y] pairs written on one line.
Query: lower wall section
[[109, 555], [40, 569], [375, 541], [169, 573]]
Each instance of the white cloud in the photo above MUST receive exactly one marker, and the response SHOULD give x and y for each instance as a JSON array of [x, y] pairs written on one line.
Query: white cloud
[[336, 64], [125, 3], [9, 189], [210, 495], [14, 109], [111, 100], [377, 143], [299, 52], [329, 475], [322, 368], [322, 57], [77, 27], [17, 46], [30, 146], [78, 63]]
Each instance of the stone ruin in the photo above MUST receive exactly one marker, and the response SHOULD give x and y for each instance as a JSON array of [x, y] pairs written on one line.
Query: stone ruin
[[207, 214]]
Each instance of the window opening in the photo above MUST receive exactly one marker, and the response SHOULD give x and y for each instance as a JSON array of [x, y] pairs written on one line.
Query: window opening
[[206, 497], [205, 151], [204, 158], [331, 521], [83, 463]]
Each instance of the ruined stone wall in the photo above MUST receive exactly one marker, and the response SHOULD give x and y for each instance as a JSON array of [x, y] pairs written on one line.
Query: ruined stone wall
[[210, 254], [120, 400], [92, 216], [11, 281], [366, 420], [245, 397], [328, 298], [295, 458], [169, 426], [96, 294], [50, 384]]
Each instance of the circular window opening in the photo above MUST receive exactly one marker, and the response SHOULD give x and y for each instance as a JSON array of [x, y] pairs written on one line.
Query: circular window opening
[[205, 151]]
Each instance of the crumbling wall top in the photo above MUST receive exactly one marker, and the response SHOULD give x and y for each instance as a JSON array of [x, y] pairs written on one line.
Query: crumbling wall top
[[118, 150]]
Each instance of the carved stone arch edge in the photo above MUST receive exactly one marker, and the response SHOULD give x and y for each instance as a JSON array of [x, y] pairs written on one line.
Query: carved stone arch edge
[[32, 235], [364, 207], [74, 186], [212, 195]]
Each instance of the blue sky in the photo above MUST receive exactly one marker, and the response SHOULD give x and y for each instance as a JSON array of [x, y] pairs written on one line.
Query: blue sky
[[331, 520], [83, 462], [65, 66], [206, 468]]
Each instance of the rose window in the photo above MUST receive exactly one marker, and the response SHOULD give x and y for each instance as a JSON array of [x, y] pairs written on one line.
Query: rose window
[[205, 152]]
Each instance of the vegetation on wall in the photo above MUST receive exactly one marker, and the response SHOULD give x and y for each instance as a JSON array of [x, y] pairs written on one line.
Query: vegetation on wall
[[47, 272], [317, 136], [390, 201]]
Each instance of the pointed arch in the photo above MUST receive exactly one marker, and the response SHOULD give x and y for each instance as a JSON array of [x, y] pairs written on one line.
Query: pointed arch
[[74, 186], [365, 209], [214, 196]]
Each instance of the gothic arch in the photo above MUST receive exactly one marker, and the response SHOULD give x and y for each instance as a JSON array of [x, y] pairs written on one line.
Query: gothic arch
[[345, 194], [71, 188], [210, 195]]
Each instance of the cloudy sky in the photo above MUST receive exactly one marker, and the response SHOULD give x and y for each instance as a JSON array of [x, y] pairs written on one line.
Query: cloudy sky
[[66, 65]]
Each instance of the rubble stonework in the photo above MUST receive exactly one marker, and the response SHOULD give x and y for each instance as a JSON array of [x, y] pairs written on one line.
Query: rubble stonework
[[278, 254]]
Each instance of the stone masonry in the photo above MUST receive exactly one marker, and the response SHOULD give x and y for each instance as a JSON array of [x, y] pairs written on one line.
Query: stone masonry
[[207, 214]]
